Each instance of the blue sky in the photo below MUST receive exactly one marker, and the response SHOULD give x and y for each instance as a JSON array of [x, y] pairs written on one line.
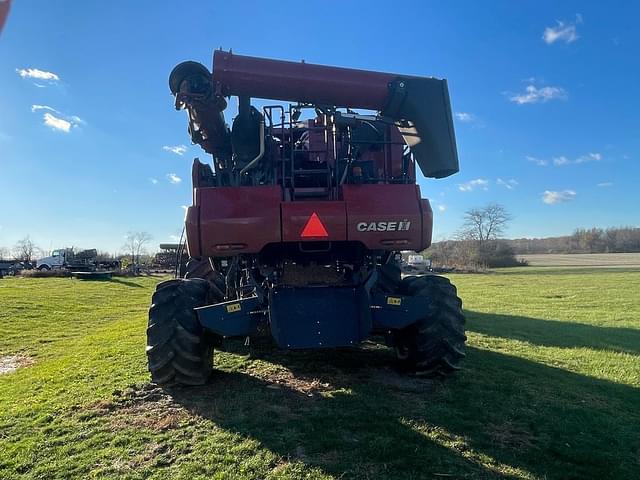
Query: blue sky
[[545, 95]]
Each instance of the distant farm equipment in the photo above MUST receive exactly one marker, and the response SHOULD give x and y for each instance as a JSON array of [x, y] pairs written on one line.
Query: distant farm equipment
[[169, 257], [80, 261]]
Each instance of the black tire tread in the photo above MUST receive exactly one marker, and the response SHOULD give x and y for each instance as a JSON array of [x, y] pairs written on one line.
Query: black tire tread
[[177, 350], [437, 341]]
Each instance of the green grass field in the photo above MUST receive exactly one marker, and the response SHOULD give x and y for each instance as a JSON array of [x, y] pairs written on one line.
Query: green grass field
[[550, 390]]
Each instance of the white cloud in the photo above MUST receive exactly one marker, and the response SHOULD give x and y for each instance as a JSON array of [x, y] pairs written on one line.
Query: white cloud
[[442, 208], [589, 157], [56, 120], [173, 178], [174, 238], [35, 73], [464, 117], [154, 181], [533, 94], [177, 149], [57, 123], [35, 108], [77, 120], [552, 197], [561, 160], [605, 184], [508, 184], [469, 186], [565, 31], [538, 161]]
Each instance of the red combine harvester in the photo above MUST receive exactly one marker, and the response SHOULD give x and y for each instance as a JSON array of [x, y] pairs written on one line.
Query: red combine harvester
[[296, 229]]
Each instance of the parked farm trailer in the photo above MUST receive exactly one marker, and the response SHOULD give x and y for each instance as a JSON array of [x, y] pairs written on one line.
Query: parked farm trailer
[[296, 228]]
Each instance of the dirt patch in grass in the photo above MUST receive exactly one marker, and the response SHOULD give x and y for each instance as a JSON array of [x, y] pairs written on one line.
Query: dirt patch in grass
[[279, 377], [10, 363], [146, 406]]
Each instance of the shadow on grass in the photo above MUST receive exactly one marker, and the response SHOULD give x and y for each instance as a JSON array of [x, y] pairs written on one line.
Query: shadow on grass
[[501, 417], [124, 282], [554, 333]]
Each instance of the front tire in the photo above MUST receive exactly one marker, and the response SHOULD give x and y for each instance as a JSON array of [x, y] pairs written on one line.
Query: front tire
[[435, 345], [179, 351]]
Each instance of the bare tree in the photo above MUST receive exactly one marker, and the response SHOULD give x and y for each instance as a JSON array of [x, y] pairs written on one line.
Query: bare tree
[[4, 253], [25, 249], [135, 244], [486, 223]]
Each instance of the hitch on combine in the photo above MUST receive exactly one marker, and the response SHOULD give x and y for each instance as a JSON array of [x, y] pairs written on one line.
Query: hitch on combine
[[295, 229]]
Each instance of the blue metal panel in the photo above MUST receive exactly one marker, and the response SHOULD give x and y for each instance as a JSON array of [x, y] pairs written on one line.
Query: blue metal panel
[[312, 317], [391, 312], [230, 319]]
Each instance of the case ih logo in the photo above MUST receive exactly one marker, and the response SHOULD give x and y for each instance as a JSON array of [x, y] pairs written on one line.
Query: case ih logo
[[402, 226]]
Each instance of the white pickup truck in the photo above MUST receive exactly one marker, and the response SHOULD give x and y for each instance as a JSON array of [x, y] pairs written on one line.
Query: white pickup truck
[[418, 262]]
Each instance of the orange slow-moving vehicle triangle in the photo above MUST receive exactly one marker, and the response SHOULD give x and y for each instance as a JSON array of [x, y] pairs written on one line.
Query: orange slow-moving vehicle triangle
[[314, 227]]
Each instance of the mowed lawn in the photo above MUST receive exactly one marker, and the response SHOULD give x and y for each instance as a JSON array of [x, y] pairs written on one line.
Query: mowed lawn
[[550, 390]]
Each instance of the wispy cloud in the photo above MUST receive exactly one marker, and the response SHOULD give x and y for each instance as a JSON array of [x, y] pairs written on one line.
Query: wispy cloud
[[562, 160], [551, 197], [173, 178], [465, 117], [177, 149], [533, 94], [37, 74], [508, 184], [57, 123], [442, 208], [154, 180], [541, 162], [589, 157], [472, 184], [562, 31], [605, 184], [35, 108], [56, 120]]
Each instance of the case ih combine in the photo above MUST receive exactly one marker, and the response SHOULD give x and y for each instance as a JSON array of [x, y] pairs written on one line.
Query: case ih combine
[[296, 228]]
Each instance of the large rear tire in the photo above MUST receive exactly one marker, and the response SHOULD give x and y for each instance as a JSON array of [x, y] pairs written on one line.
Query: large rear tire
[[179, 351], [435, 345]]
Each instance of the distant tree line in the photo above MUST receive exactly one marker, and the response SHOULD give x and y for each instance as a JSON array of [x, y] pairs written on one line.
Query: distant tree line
[[583, 240], [469, 250]]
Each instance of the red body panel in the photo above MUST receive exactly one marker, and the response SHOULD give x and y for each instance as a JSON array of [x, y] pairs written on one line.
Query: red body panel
[[384, 216], [238, 219], [192, 230], [232, 220], [427, 223]]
